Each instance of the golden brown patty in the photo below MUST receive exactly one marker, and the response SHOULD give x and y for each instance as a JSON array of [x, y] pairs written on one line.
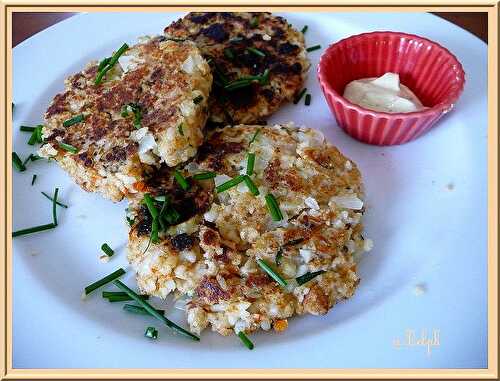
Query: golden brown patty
[[228, 40], [151, 110], [211, 257]]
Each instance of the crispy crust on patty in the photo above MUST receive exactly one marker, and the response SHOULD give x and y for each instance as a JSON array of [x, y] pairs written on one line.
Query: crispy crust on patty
[[225, 38], [162, 78], [218, 271]]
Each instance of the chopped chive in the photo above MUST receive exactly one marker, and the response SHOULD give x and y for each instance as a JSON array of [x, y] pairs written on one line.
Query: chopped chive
[[245, 340], [124, 111], [27, 128], [74, 120], [120, 294], [254, 22], [123, 298], [248, 80], [17, 162], [107, 279], [251, 186], [181, 180], [107, 250], [238, 85], [108, 63], [152, 311], [136, 110], [148, 200], [198, 99], [256, 51], [229, 184], [103, 63], [204, 176], [151, 333], [228, 52], [313, 48], [130, 221], [308, 276], [304, 29], [33, 179], [273, 207], [250, 163], [139, 310], [34, 229], [273, 274], [180, 129], [154, 231], [34, 157], [254, 137], [279, 255], [54, 206], [68, 147], [307, 101], [299, 96], [51, 199]]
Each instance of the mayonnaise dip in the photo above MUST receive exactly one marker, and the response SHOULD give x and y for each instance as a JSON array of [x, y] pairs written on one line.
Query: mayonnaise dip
[[384, 94]]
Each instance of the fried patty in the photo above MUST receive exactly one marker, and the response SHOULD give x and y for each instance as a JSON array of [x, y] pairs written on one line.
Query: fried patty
[[240, 45], [211, 257], [151, 108]]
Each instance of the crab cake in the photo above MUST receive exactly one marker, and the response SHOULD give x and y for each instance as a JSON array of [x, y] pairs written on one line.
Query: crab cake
[[150, 108], [242, 46], [215, 257]]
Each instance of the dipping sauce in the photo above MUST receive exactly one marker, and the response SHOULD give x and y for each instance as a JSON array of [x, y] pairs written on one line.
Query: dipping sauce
[[384, 94]]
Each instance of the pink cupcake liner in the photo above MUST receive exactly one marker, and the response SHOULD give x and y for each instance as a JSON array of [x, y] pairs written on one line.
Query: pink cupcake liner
[[429, 70]]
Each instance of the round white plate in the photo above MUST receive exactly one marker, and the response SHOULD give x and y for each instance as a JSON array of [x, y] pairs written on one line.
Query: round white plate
[[426, 214]]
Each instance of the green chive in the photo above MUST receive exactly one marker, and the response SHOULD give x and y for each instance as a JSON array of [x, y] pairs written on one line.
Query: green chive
[[139, 310], [254, 22], [273, 274], [151, 333], [124, 298], [250, 163], [108, 63], [304, 29], [251, 186], [68, 147], [107, 279], [229, 184], [198, 99], [308, 276], [148, 200], [181, 180], [130, 221], [307, 101], [54, 206], [256, 51], [273, 207], [18, 163], [34, 229], [204, 176], [120, 296], [33, 179], [74, 120], [299, 96], [154, 231], [152, 311], [107, 250], [180, 129], [313, 48], [228, 52], [27, 128], [245, 340], [51, 199], [254, 137], [279, 255], [103, 63]]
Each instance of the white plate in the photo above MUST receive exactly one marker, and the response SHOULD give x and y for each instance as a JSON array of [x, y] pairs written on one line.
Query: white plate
[[424, 232]]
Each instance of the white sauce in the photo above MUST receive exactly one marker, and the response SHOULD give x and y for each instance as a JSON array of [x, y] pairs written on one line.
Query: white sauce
[[384, 94]]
